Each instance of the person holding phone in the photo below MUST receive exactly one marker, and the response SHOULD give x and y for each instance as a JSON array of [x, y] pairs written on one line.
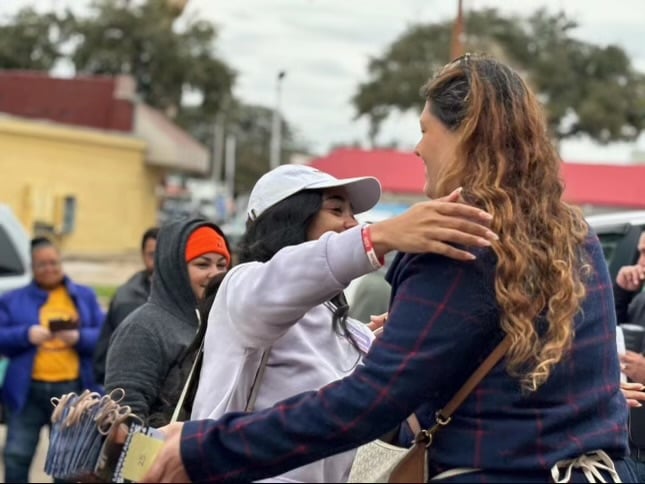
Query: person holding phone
[[49, 330]]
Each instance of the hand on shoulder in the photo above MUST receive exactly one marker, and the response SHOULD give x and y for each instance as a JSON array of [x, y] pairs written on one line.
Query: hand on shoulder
[[433, 226]]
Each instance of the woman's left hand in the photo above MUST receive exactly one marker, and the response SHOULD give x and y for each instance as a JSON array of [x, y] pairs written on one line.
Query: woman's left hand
[[633, 393], [168, 466], [377, 323]]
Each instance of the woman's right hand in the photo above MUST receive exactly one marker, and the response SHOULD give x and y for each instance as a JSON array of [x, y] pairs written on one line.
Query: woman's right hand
[[38, 335], [433, 226]]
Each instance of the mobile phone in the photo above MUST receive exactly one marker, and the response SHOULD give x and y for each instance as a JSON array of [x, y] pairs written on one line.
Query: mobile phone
[[59, 324]]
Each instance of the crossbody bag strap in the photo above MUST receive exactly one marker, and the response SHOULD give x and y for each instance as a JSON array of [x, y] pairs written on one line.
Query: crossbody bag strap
[[191, 375], [255, 388], [444, 415], [250, 403], [189, 381]]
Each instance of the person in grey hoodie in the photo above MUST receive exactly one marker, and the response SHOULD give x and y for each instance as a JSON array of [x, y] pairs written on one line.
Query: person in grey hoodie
[[147, 346]]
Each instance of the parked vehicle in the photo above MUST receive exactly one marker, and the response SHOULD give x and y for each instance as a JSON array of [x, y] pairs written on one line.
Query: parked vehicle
[[14, 264], [619, 233], [14, 252]]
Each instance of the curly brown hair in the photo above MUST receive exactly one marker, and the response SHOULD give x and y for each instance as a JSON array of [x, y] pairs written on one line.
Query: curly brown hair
[[507, 165]]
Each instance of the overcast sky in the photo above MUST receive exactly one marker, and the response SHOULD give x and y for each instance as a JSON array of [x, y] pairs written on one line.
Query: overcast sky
[[324, 47]]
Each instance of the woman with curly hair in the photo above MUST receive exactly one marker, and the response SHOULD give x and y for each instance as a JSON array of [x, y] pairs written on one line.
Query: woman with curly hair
[[550, 409]]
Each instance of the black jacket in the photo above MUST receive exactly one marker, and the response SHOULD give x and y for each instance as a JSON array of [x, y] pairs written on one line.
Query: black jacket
[[630, 306], [128, 297]]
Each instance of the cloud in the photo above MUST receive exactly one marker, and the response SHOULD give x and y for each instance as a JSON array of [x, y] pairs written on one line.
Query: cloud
[[325, 45]]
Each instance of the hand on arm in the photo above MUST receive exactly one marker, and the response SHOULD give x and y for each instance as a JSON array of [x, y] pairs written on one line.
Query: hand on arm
[[432, 227]]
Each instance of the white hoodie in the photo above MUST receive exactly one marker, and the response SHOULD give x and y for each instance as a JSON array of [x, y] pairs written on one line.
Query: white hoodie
[[279, 305]]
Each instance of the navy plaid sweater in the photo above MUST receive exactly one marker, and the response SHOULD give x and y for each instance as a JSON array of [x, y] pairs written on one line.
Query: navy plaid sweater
[[443, 322]]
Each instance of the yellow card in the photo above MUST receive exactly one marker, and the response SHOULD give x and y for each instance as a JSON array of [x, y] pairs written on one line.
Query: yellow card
[[142, 452]]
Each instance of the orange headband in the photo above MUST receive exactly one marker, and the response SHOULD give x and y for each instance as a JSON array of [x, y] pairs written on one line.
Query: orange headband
[[205, 240]]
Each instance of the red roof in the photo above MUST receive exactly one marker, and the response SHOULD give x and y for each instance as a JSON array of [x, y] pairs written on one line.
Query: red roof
[[403, 173], [96, 102], [103, 103], [605, 185], [397, 171]]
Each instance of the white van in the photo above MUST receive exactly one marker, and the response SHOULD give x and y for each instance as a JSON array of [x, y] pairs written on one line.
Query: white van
[[15, 269]]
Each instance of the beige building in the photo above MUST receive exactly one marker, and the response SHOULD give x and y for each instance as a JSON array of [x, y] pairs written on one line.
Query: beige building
[[92, 191], [91, 183]]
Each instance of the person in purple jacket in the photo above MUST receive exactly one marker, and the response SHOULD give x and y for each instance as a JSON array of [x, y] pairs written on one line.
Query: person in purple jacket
[[48, 329], [284, 304], [550, 410]]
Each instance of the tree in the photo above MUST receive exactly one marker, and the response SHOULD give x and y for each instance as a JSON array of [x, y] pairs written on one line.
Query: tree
[[144, 41], [586, 89], [251, 126], [29, 40], [168, 58]]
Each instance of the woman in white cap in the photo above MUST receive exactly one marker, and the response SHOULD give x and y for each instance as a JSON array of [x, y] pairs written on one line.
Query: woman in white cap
[[279, 324]]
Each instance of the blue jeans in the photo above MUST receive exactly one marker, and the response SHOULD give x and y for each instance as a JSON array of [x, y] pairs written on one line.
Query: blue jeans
[[23, 427], [638, 467]]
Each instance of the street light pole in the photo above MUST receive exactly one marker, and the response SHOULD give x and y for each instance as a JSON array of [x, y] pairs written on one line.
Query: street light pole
[[276, 126], [230, 163]]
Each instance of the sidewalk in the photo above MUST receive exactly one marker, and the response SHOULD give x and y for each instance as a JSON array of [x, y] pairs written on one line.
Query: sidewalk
[[37, 473], [102, 272]]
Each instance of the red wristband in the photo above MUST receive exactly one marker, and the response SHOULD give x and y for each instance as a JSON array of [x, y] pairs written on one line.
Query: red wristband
[[368, 245]]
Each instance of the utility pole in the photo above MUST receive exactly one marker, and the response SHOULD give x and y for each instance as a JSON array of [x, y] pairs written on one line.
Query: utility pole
[[218, 147], [276, 125], [178, 6], [457, 47], [230, 164]]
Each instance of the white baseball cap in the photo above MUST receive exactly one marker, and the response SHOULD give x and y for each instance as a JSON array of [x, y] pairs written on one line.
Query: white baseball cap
[[285, 180]]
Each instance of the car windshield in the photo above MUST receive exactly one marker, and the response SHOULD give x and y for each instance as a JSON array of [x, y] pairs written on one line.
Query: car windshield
[[609, 242]]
